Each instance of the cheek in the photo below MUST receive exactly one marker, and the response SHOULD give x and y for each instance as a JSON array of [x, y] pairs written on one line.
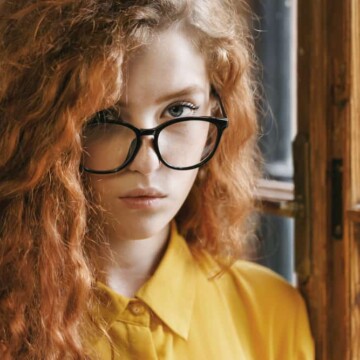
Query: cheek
[[185, 182], [100, 188]]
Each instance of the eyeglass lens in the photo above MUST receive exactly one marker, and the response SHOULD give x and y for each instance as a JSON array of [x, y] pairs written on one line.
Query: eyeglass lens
[[183, 144]]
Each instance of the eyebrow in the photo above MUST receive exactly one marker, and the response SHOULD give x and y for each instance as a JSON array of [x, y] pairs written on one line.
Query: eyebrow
[[186, 91], [189, 90]]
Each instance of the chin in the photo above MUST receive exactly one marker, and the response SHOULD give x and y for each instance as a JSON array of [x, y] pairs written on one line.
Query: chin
[[140, 228]]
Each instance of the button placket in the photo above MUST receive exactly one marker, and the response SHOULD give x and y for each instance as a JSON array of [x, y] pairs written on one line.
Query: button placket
[[137, 308]]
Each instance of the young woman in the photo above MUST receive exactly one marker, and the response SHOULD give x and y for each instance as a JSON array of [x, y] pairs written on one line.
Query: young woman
[[128, 164]]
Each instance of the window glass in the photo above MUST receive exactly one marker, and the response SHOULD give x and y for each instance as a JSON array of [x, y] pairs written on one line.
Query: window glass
[[276, 49]]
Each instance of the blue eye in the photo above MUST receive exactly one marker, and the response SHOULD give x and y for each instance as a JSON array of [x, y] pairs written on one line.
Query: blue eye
[[177, 110]]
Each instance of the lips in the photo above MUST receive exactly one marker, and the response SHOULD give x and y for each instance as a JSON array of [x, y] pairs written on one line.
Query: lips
[[146, 192], [142, 198]]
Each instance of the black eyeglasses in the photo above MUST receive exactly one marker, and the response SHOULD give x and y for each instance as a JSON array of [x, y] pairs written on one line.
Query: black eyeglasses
[[182, 144]]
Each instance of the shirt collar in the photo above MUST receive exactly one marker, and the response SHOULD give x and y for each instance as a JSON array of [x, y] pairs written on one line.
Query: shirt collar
[[170, 292]]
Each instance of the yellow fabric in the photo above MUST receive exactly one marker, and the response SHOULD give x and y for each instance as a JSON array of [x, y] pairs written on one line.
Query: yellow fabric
[[182, 313]]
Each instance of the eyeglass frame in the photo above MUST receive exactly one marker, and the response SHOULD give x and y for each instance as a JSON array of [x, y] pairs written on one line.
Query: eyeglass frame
[[220, 123]]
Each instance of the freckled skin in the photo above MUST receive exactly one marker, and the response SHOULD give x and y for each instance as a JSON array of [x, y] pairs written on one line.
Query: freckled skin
[[150, 78]]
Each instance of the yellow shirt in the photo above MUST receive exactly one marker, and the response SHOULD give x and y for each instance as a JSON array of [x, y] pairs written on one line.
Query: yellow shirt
[[248, 313]]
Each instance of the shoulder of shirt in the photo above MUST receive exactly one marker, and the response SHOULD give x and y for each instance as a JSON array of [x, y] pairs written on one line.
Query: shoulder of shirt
[[274, 308], [251, 271], [251, 280], [261, 279]]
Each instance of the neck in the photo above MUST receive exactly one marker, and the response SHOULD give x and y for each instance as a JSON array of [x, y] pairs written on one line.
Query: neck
[[135, 261]]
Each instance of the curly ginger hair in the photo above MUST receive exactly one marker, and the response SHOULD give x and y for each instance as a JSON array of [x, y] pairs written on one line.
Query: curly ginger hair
[[59, 64]]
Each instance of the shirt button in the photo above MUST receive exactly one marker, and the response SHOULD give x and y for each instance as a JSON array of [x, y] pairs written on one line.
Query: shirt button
[[137, 308]]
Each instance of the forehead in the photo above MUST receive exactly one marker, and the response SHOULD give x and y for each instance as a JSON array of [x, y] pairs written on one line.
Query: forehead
[[170, 61]]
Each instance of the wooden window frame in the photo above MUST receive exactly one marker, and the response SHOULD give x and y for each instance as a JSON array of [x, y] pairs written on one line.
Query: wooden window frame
[[328, 95], [325, 199]]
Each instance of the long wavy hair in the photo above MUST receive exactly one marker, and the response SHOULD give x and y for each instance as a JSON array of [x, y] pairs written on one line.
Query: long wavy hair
[[60, 62]]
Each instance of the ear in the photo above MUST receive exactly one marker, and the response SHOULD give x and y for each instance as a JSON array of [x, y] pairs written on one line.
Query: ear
[[218, 108], [214, 106]]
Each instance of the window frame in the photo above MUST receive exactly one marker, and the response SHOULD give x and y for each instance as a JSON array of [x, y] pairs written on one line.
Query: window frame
[[326, 197]]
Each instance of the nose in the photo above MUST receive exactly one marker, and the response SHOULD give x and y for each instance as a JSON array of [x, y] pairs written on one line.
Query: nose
[[146, 160]]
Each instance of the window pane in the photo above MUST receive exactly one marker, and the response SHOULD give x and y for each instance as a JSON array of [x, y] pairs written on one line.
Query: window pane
[[276, 48], [277, 245]]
